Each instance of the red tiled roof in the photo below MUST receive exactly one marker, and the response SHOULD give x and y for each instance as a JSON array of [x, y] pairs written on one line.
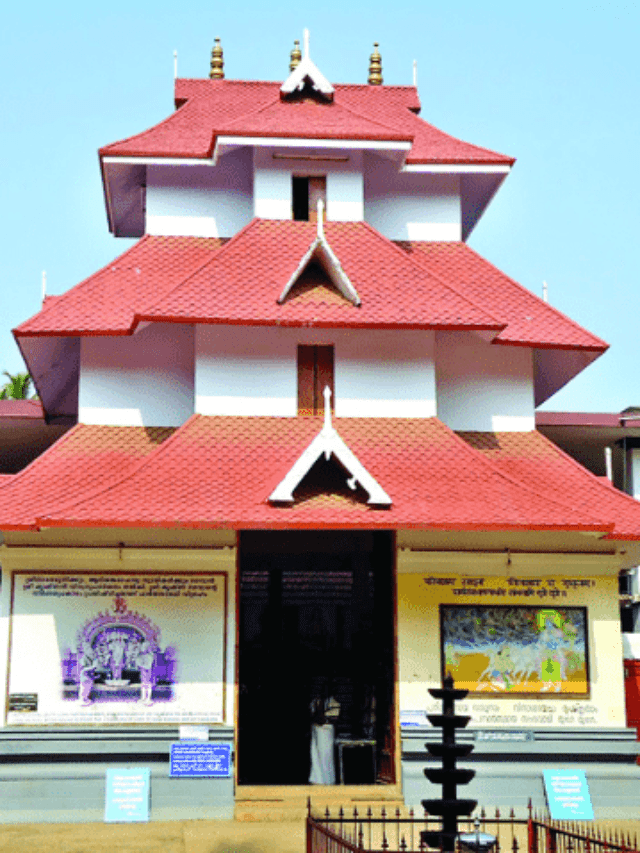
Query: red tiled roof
[[83, 458], [532, 459], [219, 472], [21, 410], [107, 301], [531, 321], [186, 279], [212, 108], [244, 282]]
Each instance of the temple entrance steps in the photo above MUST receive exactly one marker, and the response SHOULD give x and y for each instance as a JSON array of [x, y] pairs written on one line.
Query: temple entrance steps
[[281, 803]]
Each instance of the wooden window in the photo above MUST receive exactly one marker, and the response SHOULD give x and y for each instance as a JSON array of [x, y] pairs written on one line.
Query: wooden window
[[305, 194], [315, 370]]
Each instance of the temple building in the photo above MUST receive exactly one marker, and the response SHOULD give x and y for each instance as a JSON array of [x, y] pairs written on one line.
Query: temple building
[[301, 479]]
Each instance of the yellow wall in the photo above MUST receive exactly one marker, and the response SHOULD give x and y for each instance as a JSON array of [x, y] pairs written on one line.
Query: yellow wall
[[419, 634]]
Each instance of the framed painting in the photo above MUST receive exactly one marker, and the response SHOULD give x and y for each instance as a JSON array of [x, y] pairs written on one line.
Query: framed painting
[[513, 650]]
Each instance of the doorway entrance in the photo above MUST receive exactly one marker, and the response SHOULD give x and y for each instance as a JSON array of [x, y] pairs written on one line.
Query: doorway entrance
[[316, 649]]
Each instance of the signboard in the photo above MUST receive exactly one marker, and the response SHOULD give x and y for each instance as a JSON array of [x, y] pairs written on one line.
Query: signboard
[[193, 732], [23, 702], [200, 759], [127, 795], [99, 648], [568, 794], [507, 736], [516, 649]]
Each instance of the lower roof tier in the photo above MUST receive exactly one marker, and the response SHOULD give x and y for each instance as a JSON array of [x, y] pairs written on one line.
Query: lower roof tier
[[220, 472]]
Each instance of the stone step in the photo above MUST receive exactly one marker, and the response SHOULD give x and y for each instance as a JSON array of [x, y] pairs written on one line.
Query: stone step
[[290, 804]]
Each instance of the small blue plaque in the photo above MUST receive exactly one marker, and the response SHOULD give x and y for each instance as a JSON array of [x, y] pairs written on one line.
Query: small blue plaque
[[127, 795], [194, 758], [568, 794]]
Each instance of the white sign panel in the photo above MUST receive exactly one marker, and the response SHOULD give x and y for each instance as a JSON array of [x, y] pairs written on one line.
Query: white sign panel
[[114, 648]]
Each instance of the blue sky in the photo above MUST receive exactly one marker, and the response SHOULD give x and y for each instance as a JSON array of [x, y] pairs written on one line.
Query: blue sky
[[556, 85]]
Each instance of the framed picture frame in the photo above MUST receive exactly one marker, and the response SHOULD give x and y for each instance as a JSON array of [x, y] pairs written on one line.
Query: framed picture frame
[[515, 650]]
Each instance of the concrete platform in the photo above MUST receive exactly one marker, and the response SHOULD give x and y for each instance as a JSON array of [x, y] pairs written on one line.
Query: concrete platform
[[198, 836]]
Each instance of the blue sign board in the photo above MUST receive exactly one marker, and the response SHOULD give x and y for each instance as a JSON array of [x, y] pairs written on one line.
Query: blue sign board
[[127, 795], [568, 794], [195, 758]]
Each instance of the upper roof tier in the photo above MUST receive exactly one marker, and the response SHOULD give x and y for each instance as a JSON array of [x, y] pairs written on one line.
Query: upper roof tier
[[197, 280], [211, 109]]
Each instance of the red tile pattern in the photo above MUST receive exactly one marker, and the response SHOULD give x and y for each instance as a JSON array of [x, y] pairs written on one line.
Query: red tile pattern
[[86, 458], [107, 301], [531, 321], [402, 285], [242, 284], [219, 471], [532, 459], [212, 108]]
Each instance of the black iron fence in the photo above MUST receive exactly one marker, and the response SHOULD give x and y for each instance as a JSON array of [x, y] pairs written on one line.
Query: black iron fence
[[400, 831]]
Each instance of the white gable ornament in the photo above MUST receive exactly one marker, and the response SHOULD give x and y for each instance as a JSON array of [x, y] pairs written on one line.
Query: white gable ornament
[[321, 252], [329, 442], [307, 73]]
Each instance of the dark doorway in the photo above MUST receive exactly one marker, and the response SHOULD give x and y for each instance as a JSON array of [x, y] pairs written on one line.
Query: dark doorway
[[316, 621]]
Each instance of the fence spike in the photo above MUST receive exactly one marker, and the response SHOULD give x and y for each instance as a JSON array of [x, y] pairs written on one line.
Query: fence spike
[[327, 813], [361, 837], [385, 843], [355, 812], [341, 814], [530, 807], [369, 812], [483, 814], [497, 813], [403, 843], [512, 814], [514, 845]]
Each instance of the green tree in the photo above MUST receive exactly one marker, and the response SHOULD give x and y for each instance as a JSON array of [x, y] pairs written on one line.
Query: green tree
[[17, 388]]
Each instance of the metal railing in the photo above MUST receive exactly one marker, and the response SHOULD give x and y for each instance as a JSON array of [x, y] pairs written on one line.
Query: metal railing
[[400, 831]]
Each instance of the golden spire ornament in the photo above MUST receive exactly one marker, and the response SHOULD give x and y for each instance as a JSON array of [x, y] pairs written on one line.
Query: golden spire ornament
[[217, 61], [375, 67], [296, 55]]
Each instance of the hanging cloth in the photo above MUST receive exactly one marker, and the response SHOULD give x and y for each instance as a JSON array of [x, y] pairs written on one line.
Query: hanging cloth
[[323, 736]]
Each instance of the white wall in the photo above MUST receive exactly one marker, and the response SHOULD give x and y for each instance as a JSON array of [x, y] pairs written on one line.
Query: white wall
[[142, 380], [253, 371], [483, 386], [201, 201], [405, 206], [272, 182], [634, 473]]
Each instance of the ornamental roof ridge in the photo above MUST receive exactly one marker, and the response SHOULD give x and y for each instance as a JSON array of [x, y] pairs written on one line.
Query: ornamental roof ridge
[[321, 251], [329, 443]]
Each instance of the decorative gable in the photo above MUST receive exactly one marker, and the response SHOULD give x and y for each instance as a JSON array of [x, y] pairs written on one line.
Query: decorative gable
[[329, 443], [321, 253], [307, 75]]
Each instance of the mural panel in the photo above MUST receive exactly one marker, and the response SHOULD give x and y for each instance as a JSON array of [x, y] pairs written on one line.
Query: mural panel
[[91, 647], [515, 649]]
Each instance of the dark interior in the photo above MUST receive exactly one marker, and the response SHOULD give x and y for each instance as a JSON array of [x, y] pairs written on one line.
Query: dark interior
[[316, 621]]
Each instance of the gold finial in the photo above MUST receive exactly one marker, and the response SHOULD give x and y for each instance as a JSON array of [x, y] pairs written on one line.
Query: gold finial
[[375, 67], [296, 55], [217, 62]]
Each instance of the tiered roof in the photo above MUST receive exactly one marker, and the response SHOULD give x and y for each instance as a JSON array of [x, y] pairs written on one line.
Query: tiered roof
[[200, 280], [209, 109], [130, 477]]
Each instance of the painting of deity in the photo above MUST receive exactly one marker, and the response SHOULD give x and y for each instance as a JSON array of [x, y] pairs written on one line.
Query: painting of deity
[[512, 650], [118, 657]]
